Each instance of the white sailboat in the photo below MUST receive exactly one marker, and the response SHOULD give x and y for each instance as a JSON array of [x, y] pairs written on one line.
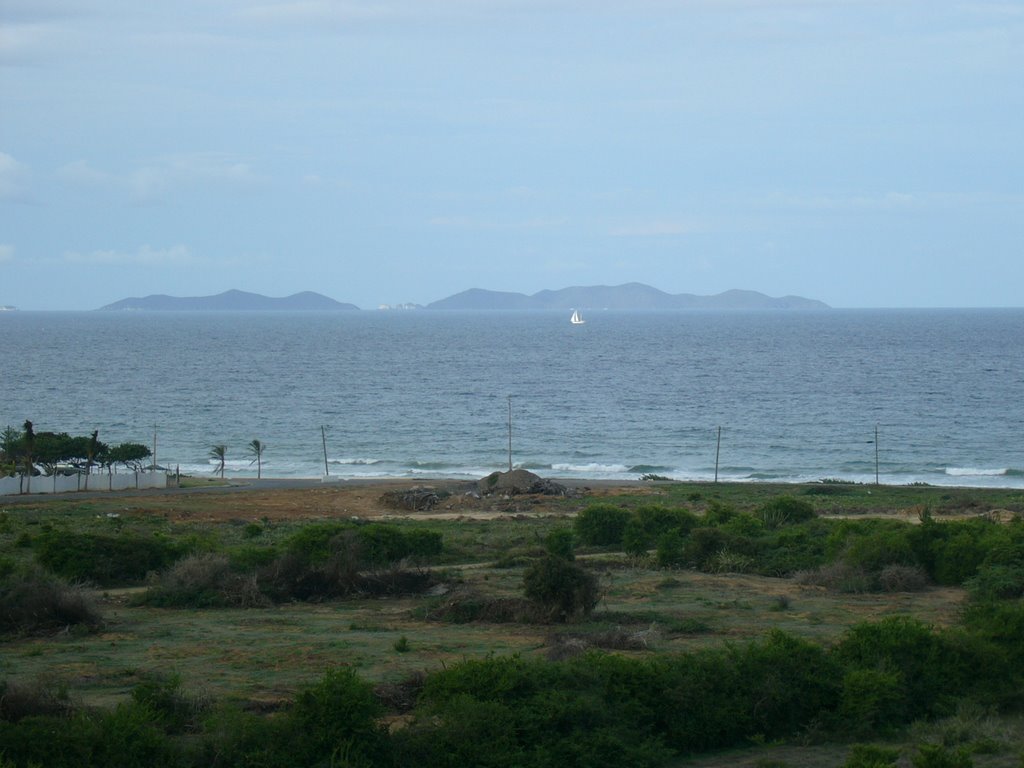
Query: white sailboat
[[576, 318]]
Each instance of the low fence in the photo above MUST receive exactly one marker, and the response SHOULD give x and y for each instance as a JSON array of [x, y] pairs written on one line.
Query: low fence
[[12, 486]]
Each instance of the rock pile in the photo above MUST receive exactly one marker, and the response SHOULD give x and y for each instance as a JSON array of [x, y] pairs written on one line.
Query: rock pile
[[519, 481], [413, 499]]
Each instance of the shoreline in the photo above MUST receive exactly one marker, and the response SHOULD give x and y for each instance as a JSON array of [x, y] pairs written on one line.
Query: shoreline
[[204, 486]]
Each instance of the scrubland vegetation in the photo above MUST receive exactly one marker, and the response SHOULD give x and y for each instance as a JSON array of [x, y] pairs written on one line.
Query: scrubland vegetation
[[830, 624]]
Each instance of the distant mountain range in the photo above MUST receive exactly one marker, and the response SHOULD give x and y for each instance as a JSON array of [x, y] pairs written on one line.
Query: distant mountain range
[[629, 296], [231, 300]]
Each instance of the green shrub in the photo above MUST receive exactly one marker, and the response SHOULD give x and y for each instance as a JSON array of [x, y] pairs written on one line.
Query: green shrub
[[563, 589], [635, 540], [33, 601], [837, 577], [1002, 624], [997, 582], [871, 756], [958, 557], [786, 683], [368, 546], [744, 525], [204, 581], [53, 742], [670, 549], [650, 522], [314, 544], [784, 510], [792, 548], [558, 543], [952, 552], [251, 558], [901, 578], [656, 519], [19, 700], [935, 668], [879, 549], [129, 737], [507, 711], [703, 544], [381, 545], [601, 525], [463, 732], [105, 560], [937, 756], [718, 513], [335, 722], [175, 711], [872, 701], [423, 545]]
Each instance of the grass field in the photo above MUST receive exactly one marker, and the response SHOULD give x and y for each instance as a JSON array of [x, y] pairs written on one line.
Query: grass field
[[261, 656]]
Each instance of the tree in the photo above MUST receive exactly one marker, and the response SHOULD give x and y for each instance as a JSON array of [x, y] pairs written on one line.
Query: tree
[[129, 454], [10, 448], [256, 449], [218, 453]]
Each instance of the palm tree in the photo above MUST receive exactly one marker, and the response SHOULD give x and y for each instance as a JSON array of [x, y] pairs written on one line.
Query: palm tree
[[94, 445], [218, 453], [256, 449], [30, 444]]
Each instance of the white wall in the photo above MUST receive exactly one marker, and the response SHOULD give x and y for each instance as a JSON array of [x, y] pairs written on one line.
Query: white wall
[[11, 486]]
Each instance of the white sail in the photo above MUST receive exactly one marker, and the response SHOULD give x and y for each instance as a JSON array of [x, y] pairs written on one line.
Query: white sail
[[576, 319]]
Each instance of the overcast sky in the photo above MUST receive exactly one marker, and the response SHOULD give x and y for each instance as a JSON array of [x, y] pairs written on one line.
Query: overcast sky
[[868, 154]]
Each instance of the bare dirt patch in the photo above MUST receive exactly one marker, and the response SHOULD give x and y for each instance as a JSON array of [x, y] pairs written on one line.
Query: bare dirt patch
[[362, 500]]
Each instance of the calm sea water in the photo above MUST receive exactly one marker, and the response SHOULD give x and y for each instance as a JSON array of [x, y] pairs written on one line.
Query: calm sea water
[[798, 395]]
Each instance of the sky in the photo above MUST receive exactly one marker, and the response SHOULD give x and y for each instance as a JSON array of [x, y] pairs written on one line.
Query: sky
[[866, 154]]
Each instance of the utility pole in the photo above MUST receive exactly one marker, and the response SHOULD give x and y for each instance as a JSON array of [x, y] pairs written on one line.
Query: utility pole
[[510, 433], [718, 449], [876, 453], [323, 437]]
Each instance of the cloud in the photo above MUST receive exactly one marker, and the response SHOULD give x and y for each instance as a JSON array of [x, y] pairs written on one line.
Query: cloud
[[13, 180], [35, 30], [317, 11], [890, 201], [6, 253], [470, 223], [659, 227], [154, 180], [146, 256]]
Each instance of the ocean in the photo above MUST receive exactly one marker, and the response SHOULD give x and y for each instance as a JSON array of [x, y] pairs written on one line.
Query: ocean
[[795, 396]]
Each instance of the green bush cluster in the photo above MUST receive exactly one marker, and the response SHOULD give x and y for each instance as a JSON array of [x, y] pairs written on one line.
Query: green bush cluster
[[318, 562], [606, 525], [33, 601], [372, 545], [104, 560], [563, 589], [595, 710], [783, 536], [601, 525], [333, 722]]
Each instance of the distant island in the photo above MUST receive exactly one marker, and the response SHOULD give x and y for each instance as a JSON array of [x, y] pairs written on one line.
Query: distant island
[[232, 300], [631, 296]]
